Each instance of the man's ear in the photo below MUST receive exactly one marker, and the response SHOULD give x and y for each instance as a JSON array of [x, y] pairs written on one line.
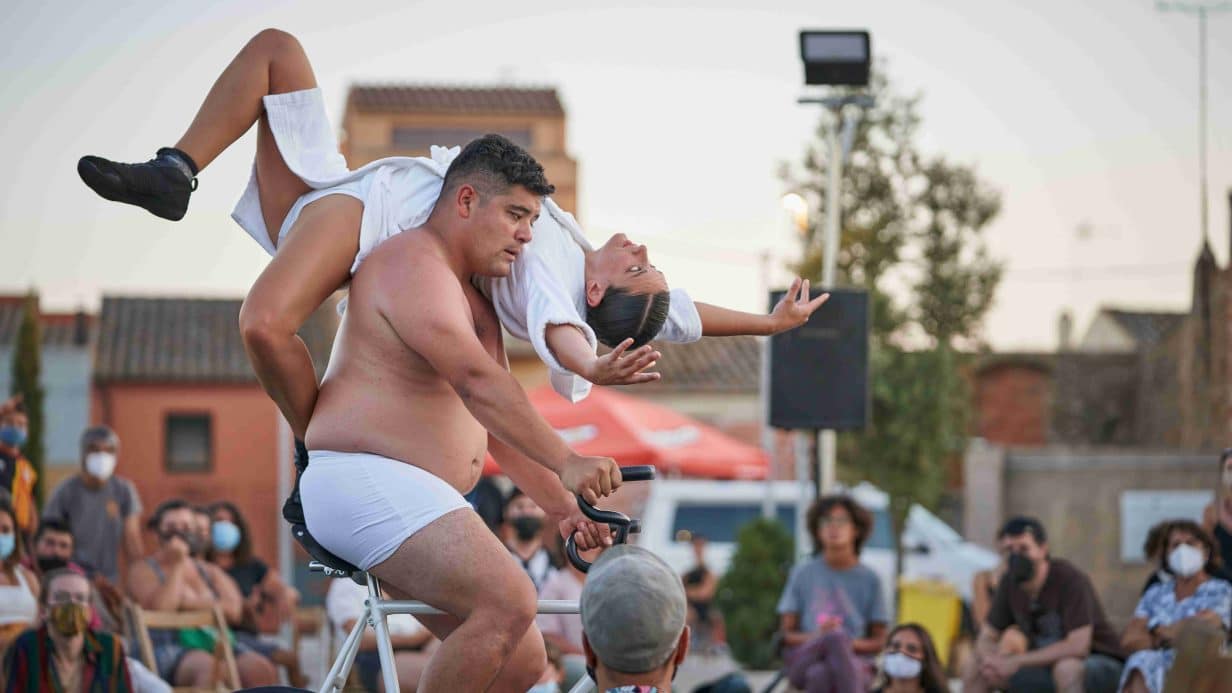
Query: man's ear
[[592, 660], [682, 646], [595, 291], [466, 200]]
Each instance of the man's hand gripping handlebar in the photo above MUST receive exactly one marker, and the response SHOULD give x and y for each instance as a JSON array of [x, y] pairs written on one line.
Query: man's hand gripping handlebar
[[622, 525]]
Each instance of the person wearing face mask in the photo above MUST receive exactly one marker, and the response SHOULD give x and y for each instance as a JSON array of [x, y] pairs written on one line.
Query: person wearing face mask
[[909, 663], [268, 601], [524, 536], [64, 653], [1193, 595], [1217, 518], [1071, 647], [17, 475], [19, 588], [102, 508]]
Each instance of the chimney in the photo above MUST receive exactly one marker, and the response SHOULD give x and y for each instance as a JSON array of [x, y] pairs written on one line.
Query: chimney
[[81, 328], [1065, 331]]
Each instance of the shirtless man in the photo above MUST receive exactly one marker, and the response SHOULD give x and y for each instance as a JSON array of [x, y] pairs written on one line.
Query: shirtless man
[[398, 433]]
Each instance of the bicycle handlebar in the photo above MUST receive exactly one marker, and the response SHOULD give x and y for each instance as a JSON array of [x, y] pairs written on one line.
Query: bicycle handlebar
[[621, 523]]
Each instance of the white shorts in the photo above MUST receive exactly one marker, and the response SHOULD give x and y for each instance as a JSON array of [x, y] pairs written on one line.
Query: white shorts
[[362, 506]]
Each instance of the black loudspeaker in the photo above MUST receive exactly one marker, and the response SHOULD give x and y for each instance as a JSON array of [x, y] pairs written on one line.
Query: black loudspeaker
[[819, 371]]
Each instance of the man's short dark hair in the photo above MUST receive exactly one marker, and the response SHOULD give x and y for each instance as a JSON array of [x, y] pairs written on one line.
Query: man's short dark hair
[[492, 164], [1018, 526], [622, 314], [861, 519], [53, 524], [166, 507]]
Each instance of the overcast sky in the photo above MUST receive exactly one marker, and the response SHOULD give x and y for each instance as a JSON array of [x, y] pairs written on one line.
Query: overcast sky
[[1083, 114]]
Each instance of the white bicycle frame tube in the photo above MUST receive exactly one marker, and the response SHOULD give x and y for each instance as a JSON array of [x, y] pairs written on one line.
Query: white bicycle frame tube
[[376, 610]]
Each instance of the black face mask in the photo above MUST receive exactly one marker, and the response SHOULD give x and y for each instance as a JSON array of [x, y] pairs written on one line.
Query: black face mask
[[194, 544], [526, 527], [50, 563], [1021, 568]]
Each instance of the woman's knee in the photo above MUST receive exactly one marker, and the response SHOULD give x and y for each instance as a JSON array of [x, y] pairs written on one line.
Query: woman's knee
[[261, 325], [195, 668], [274, 42], [255, 670], [1068, 672]]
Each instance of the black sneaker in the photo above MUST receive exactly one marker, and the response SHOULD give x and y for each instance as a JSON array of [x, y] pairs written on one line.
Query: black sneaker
[[159, 186]]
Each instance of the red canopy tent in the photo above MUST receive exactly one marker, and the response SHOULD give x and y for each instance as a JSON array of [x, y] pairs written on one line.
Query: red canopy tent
[[634, 431]]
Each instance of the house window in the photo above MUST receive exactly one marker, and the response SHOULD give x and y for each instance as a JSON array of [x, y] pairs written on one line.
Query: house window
[[417, 139], [188, 442]]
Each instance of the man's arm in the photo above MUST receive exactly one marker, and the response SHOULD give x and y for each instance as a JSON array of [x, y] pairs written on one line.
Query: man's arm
[[428, 309], [986, 643], [1076, 645], [230, 599], [132, 539], [145, 589], [874, 643], [792, 311]]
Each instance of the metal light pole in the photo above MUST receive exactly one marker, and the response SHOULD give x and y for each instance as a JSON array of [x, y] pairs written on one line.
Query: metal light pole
[[1202, 10]]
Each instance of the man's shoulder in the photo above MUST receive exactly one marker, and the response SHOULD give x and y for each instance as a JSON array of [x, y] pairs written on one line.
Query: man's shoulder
[[1066, 571]]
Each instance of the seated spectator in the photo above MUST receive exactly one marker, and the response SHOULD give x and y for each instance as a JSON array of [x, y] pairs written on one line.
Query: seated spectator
[[17, 475], [201, 530], [1153, 549], [19, 587], [633, 620], [564, 631], [171, 580], [64, 653], [700, 586], [101, 508], [1070, 644], [524, 536], [268, 601], [1217, 517], [983, 589], [1194, 594], [910, 663], [54, 545], [412, 643], [832, 611]]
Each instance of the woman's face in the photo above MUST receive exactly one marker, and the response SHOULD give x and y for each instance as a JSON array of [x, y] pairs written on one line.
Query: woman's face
[[6, 523], [908, 643], [837, 529], [623, 264], [223, 515], [1179, 536]]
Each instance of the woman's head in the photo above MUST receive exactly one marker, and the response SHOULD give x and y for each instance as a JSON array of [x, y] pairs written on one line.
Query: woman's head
[[839, 522], [229, 532], [626, 296], [1153, 547], [910, 654], [67, 601], [1189, 549], [10, 548]]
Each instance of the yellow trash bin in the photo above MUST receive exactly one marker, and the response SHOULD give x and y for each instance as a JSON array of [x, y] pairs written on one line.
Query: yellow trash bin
[[937, 606]]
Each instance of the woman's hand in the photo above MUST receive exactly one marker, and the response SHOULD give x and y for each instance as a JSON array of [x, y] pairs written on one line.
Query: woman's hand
[[622, 367]]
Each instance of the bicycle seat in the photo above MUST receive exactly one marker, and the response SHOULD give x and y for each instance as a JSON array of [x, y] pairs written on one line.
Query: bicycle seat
[[322, 555]]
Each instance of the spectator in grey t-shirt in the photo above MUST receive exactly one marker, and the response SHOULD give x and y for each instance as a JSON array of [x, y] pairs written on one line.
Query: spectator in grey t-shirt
[[102, 510], [832, 612]]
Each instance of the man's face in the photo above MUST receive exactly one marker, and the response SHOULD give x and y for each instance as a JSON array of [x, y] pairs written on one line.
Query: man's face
[[622, 264], [523, 506], [69, 588], [179, 521], [17, 420], [499, 227], [53, 544], [837, 529], [1024, 544]]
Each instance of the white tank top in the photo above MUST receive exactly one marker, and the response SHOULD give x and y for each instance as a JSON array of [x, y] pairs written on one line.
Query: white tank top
[[17, 604]]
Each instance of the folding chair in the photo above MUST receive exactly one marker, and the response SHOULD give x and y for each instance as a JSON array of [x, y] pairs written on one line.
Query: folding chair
[[224, 656]]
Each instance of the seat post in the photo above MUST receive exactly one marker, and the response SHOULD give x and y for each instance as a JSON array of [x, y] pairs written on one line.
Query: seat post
[[384, 648]]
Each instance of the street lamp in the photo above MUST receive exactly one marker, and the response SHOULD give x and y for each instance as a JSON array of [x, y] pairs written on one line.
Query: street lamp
[[1200, 9]]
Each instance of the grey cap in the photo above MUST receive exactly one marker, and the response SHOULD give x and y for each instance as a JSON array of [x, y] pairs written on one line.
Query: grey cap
[[633, 609]]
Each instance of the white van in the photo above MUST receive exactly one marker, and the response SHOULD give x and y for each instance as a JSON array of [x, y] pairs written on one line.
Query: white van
[[674, 510]]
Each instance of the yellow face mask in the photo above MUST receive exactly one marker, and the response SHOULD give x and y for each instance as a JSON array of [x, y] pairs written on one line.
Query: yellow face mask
[[69, 619]]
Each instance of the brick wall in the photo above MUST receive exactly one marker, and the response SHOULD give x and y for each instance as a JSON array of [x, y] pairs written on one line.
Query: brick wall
[[1013, 401]]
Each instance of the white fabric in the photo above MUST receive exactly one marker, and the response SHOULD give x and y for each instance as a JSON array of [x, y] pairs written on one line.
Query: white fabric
[[144, 680], [17, 603], [548, 283], [362, 506], [344, 601]]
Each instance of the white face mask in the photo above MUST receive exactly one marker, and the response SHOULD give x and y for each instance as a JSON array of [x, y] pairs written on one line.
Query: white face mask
[[899, 666], [1185, 560], [100, 465]]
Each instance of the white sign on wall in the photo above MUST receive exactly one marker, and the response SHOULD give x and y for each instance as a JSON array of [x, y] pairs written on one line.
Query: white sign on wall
[[1141, 510]]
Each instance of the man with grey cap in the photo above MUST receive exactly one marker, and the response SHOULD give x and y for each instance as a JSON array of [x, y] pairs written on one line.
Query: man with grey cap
[[101, 509], [633, 631]]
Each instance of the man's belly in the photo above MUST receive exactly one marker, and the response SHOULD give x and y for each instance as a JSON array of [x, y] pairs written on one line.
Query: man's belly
[[427, 427]]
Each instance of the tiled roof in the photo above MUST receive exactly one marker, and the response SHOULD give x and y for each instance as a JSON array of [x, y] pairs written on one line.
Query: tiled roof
[[1146, 328], [59, 329], [413, 98], [186, 340], [712, 364]]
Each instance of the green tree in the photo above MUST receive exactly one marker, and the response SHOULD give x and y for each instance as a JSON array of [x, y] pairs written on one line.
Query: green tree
[[912, 235], [749, 591], [26, 367]]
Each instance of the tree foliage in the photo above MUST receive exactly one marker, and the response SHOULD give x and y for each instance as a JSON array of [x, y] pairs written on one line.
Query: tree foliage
[[912, 235], [749, 591], [26, 368]]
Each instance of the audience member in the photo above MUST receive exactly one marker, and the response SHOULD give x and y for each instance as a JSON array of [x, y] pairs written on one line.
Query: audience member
[[1071, 646], [700, 586], [524, 536], [412, 643], [564, 631], [64, 653], [19, 587], [1217, 517], [53, 549], [832, 611], [171, 580], [633, 621], [102, 509], [553, 678], [268, 601], [983, 589], [1154, 550], [1194, 594], [201, 531], [17, 475], [909, 663]]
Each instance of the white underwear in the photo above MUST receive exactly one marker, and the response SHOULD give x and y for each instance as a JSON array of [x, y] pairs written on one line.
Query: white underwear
[[362, 506]]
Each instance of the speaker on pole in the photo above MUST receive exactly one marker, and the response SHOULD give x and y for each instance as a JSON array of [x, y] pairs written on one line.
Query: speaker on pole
[[819, 371]]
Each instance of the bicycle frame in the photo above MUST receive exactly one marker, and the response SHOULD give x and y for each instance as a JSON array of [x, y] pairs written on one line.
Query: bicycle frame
[[377, 609]]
